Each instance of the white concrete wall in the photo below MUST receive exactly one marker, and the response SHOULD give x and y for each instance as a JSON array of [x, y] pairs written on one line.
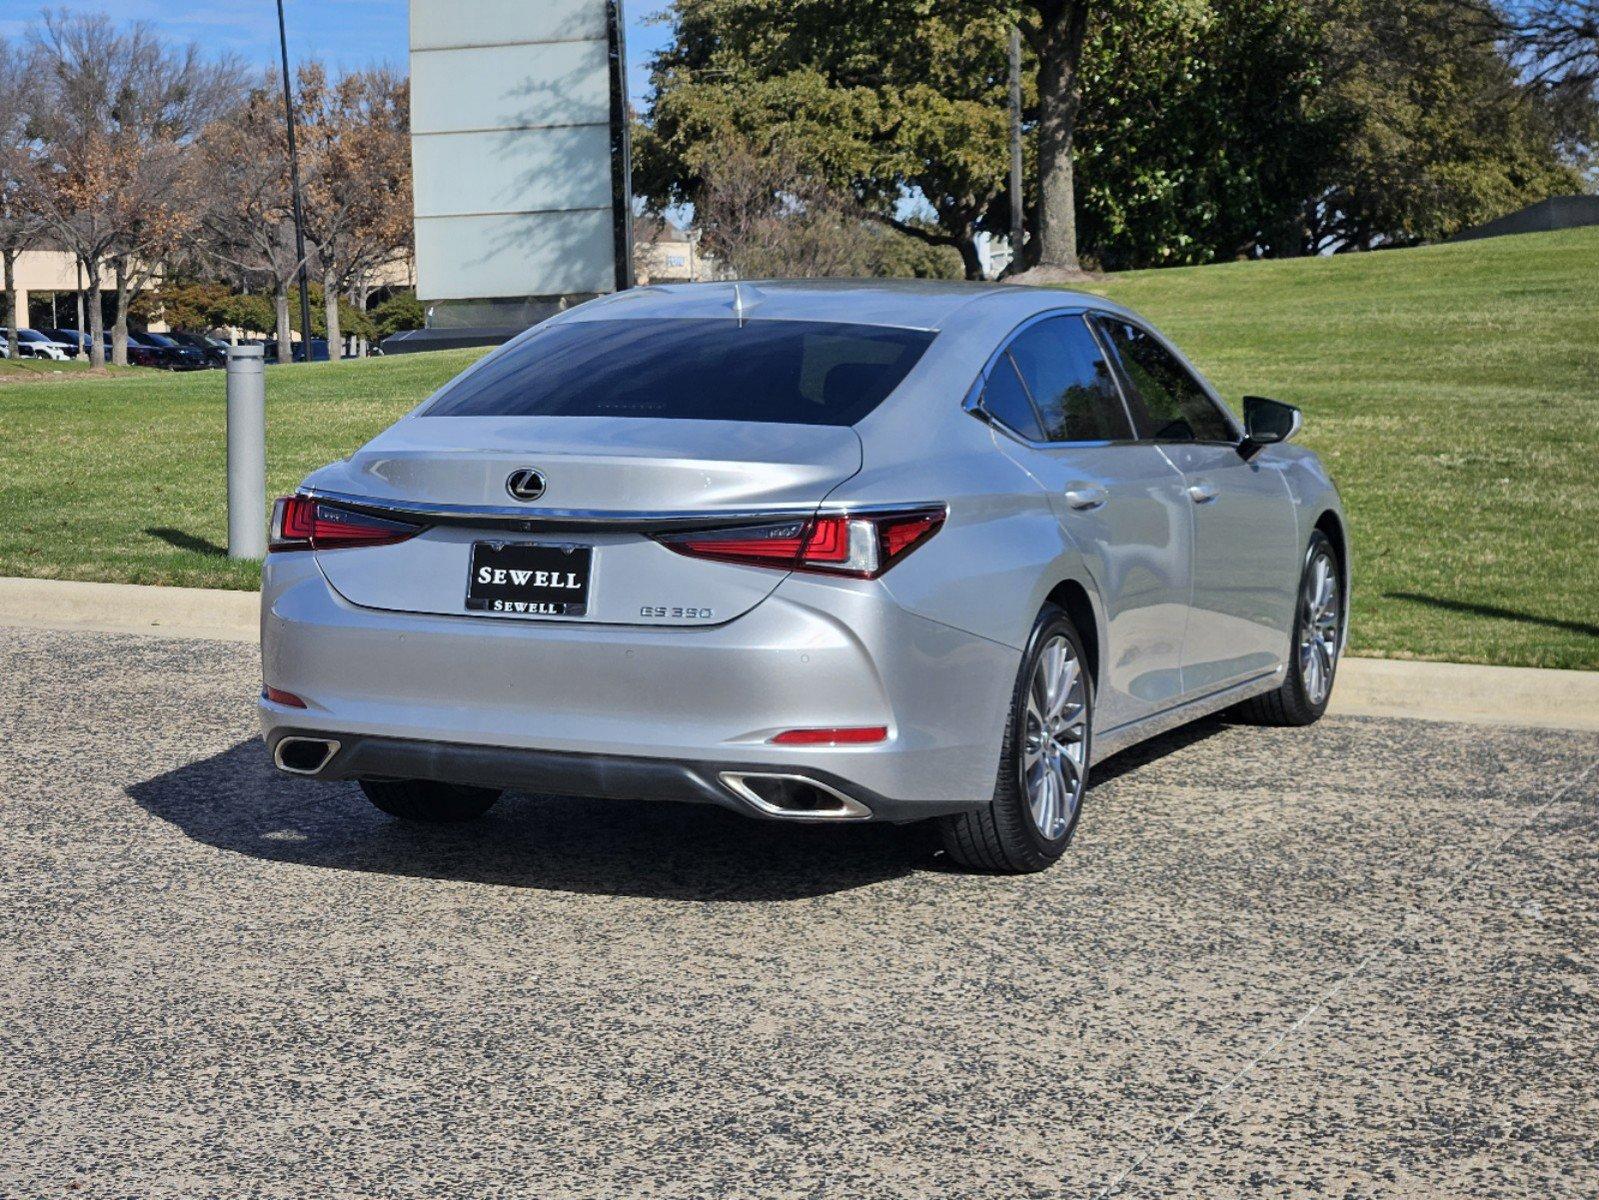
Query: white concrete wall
[[510, 144]]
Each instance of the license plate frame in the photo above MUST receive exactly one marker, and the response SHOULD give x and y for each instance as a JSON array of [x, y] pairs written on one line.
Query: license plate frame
[[566, 588]]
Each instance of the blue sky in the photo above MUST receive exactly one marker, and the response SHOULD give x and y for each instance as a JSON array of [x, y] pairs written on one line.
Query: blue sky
[[344, 33]]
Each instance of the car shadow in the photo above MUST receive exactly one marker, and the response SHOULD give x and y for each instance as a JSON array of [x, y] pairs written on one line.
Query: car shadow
[[236, 801], [1133, 758]]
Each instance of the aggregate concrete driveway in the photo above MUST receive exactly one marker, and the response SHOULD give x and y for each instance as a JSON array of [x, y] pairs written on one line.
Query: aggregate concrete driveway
[[1352, 961]]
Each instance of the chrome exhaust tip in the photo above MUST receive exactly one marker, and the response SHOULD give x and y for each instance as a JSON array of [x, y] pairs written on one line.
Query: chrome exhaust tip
[[794, 797], [304, 755]]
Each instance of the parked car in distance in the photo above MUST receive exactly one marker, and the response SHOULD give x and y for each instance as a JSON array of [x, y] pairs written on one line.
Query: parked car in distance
[[139, 354], [812, 551], [213, 350], [175, 356], [319, 350], [33, 344], [77, 343]]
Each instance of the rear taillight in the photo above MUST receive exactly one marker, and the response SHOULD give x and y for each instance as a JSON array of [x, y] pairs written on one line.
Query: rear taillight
[[305, 523], [859, 545]]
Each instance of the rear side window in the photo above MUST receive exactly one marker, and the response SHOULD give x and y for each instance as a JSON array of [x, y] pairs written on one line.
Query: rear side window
[[790, 372], [1168, 403], [1006, 400], [1070, 382]]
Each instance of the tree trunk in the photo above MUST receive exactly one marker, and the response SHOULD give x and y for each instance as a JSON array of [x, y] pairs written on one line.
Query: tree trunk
[[967, 245], [280, 296], [91, 274], [12, 324], [1064, 24], [330, 306], [363, 295], [119, 327]]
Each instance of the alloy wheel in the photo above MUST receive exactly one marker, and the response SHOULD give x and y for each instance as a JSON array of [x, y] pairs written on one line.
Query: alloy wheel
[[1055, 744], [1319, 621]]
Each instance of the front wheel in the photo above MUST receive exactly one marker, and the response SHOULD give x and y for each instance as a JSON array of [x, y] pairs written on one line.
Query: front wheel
[[1318, 635], [429, 801], [1044, 760]]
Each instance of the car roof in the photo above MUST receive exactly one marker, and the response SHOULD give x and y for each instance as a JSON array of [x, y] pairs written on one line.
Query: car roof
[[906, 303]]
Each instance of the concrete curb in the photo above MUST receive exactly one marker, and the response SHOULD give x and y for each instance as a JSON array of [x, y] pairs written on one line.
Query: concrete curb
[[207, 613], [1367, 687]]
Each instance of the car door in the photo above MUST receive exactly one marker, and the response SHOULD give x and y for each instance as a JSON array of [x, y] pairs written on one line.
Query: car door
[[1059, 414], [1246, 552]]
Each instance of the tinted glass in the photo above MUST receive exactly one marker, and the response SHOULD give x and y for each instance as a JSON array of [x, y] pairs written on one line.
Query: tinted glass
[[1005, 399], [794, 372], [1070, 382], [1168, 402]]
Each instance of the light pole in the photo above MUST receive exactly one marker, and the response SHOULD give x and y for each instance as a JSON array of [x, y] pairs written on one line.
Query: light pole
[[1015, 148], [294, 184]]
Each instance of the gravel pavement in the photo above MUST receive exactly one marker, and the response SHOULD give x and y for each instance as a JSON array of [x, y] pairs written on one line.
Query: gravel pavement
[[1356, 960]]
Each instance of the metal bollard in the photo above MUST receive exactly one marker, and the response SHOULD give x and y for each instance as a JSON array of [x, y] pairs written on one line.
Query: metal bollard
[[246, 452]]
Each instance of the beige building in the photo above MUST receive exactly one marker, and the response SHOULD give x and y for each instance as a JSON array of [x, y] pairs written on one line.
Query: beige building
[[54, 273], [663, 253]]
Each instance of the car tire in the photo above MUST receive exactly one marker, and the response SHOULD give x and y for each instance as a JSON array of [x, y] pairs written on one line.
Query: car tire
[[1303, 695], [1019, 830], [429, 801]]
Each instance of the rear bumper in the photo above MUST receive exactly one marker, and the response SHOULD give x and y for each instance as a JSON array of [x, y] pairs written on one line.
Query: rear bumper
[[595, 776], [585, 709]]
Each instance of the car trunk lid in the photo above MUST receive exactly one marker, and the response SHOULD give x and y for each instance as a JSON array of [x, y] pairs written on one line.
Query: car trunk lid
[[608, 483]]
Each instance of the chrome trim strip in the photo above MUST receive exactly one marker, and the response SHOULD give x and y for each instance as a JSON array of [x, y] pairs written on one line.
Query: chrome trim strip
[[599, 520]]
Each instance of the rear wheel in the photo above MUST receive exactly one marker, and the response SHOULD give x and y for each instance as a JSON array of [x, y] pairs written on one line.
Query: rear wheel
[[1043, 761], [1318, 635], [429, 801]]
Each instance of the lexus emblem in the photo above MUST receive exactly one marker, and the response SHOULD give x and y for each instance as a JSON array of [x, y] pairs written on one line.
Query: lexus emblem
[[525, 484]]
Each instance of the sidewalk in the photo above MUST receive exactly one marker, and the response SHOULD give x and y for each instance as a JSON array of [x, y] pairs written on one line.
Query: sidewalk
[[1367, 687]]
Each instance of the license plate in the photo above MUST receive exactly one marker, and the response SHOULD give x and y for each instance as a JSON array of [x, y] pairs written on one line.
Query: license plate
[[529, 580]]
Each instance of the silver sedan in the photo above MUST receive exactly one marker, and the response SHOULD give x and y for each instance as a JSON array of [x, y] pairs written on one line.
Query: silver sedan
[[811, 551]]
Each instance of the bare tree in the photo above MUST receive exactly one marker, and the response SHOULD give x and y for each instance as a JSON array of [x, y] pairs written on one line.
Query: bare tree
[[120, 111], [763, 216], [1554, 42], [355, 147], [19, 224], [249, 226]]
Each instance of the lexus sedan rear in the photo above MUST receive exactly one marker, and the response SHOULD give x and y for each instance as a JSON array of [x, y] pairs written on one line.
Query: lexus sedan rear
[[809, 551]]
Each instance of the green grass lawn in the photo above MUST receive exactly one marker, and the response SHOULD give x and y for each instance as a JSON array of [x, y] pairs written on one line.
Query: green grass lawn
[[1454, 391]]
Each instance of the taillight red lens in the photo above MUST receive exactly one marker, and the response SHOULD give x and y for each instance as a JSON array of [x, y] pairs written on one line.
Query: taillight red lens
[[859, 545], [305, 523]]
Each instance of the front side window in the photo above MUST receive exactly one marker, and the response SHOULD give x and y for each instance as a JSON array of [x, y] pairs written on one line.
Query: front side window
[[693, 369], [1168, 403], [1070, 382]]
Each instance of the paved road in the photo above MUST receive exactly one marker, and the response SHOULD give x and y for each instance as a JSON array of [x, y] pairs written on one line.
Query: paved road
[[1354, 961]]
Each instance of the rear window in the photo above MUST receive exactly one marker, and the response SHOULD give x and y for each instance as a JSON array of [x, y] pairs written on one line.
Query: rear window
[[789, 372]]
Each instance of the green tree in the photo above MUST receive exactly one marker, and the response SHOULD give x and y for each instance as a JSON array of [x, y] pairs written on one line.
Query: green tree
[[1438, 131], [1188, 107], [400, 311]]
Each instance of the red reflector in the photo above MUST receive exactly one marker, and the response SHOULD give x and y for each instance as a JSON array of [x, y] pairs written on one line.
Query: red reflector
[[279, 696], [304, 523], [852, 736]]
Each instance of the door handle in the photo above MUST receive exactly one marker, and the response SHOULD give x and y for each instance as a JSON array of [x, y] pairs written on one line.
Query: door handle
[[1202, 492], [1086, 499]]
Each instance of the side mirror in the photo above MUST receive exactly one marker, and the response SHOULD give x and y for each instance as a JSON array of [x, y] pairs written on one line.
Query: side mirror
[[1267, 422]]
